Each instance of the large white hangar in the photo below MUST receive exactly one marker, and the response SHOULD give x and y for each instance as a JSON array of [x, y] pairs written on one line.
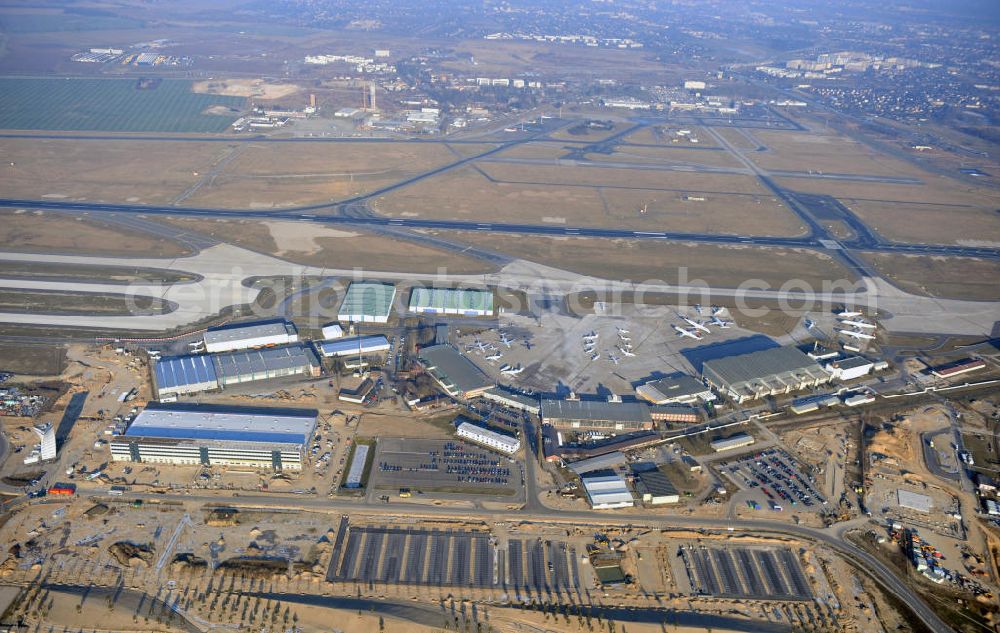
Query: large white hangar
[[236, 336], [454, 301], [207, 435], [367, 302]]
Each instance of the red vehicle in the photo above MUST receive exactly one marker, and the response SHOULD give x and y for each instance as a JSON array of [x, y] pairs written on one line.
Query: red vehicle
[[62, 489]]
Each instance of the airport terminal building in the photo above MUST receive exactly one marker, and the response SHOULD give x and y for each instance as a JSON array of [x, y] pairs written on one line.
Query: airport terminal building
[[206, 435], [768, 372]]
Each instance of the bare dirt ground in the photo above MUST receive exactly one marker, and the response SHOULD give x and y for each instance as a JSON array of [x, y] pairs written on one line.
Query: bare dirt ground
[[269, 175], [114, 171], [817, 151], [41, 231], [931, 223], [939, 211], [644, 260], [245, 88], [943, 277], [308, 245], [588, 196]]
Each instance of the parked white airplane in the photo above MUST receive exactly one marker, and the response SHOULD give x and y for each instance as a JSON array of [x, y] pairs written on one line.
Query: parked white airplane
[[847, 314], [722, 324], [593, 336], [717, 310], [494, 357], [810, 324], [622, 330], [860, 335], [595, 356], [506, 341], [696, 325], [612, 358], [626, 352], [697, 308], [512, 371], [861, 324], [688, 333]]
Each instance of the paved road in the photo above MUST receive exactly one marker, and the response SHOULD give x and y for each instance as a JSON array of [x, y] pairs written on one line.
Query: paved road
[[831, 538]]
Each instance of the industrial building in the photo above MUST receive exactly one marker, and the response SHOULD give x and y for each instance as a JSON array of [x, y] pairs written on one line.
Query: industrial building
[[596, 415], [729, 443], [674, 413], [489, 438], [679, 389], [236, 336], [959, 367], [234, 368], [367, 302], [214, 435], [353, 346], [768, 372], [607, 492], [179, 375], [849, 368], [512, 400], [357, 469], [654, 488], [608, 461], [458, 376], [456, 301]]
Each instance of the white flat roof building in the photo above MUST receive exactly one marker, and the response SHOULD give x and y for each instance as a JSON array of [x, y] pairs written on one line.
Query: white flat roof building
[[607, 492], [357, 469], [489, 438], [354, 346], [332, 331], [849, 368], [236, 336], [729, 443]]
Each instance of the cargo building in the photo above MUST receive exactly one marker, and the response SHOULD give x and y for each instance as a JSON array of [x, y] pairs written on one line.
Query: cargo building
[[180, 375], [354, 346], [205, 435], [235, 368]]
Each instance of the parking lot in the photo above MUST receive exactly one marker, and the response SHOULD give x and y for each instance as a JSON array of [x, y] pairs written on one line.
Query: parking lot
[[415, 556], [776, 479], [444, 466], [412, 556], [741, 572]]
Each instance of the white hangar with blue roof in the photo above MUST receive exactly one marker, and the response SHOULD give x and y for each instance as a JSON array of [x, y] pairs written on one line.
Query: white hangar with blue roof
[[208, 435]]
